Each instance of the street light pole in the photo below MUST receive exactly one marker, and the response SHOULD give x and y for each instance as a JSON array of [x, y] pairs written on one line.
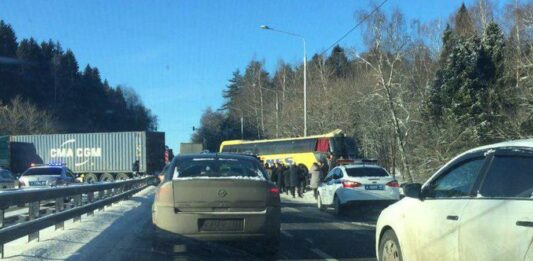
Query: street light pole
[[266, 27], [242, 119]]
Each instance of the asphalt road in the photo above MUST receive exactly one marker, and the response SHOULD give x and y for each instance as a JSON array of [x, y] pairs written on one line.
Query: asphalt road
[[124, 232]]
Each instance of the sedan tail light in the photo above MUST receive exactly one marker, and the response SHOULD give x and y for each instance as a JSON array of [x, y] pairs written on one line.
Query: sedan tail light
[[274, 192], [350, 184], [164, 196], [393, 184]]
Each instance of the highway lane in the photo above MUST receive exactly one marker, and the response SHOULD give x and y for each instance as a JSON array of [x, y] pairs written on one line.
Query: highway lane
[[124, 231]]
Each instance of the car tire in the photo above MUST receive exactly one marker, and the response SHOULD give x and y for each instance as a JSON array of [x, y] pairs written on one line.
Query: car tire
[[271, 246], [90, 178], [107, 177], [338, 208], [389, 247], [319, 204]]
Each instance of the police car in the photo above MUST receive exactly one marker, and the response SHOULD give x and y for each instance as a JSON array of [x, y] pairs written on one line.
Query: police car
[[50, 175]]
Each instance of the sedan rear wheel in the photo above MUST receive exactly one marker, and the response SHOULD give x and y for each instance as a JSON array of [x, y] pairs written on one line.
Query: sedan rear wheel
[[389, 247], [337, 205]]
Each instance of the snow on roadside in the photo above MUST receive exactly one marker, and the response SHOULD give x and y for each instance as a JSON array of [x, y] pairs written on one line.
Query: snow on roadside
[[63, 244], [307, 197]]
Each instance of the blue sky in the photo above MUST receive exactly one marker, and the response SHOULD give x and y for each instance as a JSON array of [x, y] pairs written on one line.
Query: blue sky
[[178, 55]]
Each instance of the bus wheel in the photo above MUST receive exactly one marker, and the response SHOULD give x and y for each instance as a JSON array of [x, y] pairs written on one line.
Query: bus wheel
[[90, 178], [106, 177]]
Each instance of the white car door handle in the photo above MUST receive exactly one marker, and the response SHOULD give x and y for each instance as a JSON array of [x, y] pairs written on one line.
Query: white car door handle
[[453, 218], [524, 223]]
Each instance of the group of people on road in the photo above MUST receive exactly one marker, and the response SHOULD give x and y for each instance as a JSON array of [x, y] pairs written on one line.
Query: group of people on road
[[294, 178], [290, 178]]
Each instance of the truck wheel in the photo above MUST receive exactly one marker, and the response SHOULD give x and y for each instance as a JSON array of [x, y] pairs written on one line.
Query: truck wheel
[[122, 176], [106, 177], [90, 178]]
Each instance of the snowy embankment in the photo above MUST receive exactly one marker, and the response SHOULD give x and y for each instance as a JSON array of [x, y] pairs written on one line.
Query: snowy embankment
[[67, 243]]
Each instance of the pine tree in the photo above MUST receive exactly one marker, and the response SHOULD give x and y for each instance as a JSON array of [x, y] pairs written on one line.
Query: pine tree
[[338, 62], [8, 70], [463, 23]]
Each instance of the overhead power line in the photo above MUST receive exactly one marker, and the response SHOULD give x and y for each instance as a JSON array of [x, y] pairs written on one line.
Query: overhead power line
[[355, 27]]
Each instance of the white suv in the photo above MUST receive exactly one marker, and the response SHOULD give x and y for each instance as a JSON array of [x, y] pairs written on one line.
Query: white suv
[[479, 206], [357, 183]]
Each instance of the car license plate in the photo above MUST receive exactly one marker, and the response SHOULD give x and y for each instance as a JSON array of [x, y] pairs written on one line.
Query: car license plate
[[374, 187], [37, 183], [222, 225]]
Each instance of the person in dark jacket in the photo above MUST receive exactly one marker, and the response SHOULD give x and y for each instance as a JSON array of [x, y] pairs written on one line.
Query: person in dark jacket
[[303, 177], [274, 177], [287, 179], [281, 180], [294, 179], [324, 168]]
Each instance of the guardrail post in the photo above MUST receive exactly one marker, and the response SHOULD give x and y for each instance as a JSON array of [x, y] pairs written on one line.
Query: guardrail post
[[2, 218], [1, 226], [33, 213], [77, 203], [101, 195], [90, 199], [60, 206]]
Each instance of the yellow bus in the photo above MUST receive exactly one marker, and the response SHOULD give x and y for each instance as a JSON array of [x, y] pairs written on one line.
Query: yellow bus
[[302, 151]]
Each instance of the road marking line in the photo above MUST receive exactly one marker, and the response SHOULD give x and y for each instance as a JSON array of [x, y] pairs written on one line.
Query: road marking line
[[322, 254], [290, 209], [364, 224], [287, 234]]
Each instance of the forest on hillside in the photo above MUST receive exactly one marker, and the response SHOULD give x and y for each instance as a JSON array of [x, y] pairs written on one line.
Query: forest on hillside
[[42, 90], [418, 94]]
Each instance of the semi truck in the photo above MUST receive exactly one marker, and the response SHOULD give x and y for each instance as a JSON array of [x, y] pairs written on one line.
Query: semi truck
[[92, 156], [4, 152]]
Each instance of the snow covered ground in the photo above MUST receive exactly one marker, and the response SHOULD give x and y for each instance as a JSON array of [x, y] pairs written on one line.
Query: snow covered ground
[[307, 197], [65, 244]]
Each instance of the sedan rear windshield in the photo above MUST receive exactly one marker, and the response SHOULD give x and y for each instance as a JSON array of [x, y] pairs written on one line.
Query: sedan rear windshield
[[5, 175], [366, 172], [42, 172], [218, 168]]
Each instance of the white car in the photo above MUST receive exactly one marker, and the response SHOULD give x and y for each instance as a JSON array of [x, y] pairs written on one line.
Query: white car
[[356, 184], [479, 206]]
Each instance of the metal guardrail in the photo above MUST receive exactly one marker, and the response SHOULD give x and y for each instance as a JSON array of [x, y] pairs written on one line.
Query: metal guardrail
[[97, 197]]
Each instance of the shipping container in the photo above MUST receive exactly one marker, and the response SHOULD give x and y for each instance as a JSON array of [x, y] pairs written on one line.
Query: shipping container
[[92, 153], [191, 148], [4, 152]]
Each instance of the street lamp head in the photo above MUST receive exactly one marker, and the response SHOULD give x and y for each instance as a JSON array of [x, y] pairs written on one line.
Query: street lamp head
[[264, 27]]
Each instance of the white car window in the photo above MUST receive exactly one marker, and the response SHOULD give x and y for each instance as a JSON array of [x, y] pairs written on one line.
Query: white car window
[[457, 182], [509, 177]]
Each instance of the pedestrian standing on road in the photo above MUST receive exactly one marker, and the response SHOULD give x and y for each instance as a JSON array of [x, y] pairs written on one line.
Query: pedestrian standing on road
[[275, 174], [325, 169], [287, 179], [294, 179], [281, 178], [269, 171], [303, 176], [316, 179]]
